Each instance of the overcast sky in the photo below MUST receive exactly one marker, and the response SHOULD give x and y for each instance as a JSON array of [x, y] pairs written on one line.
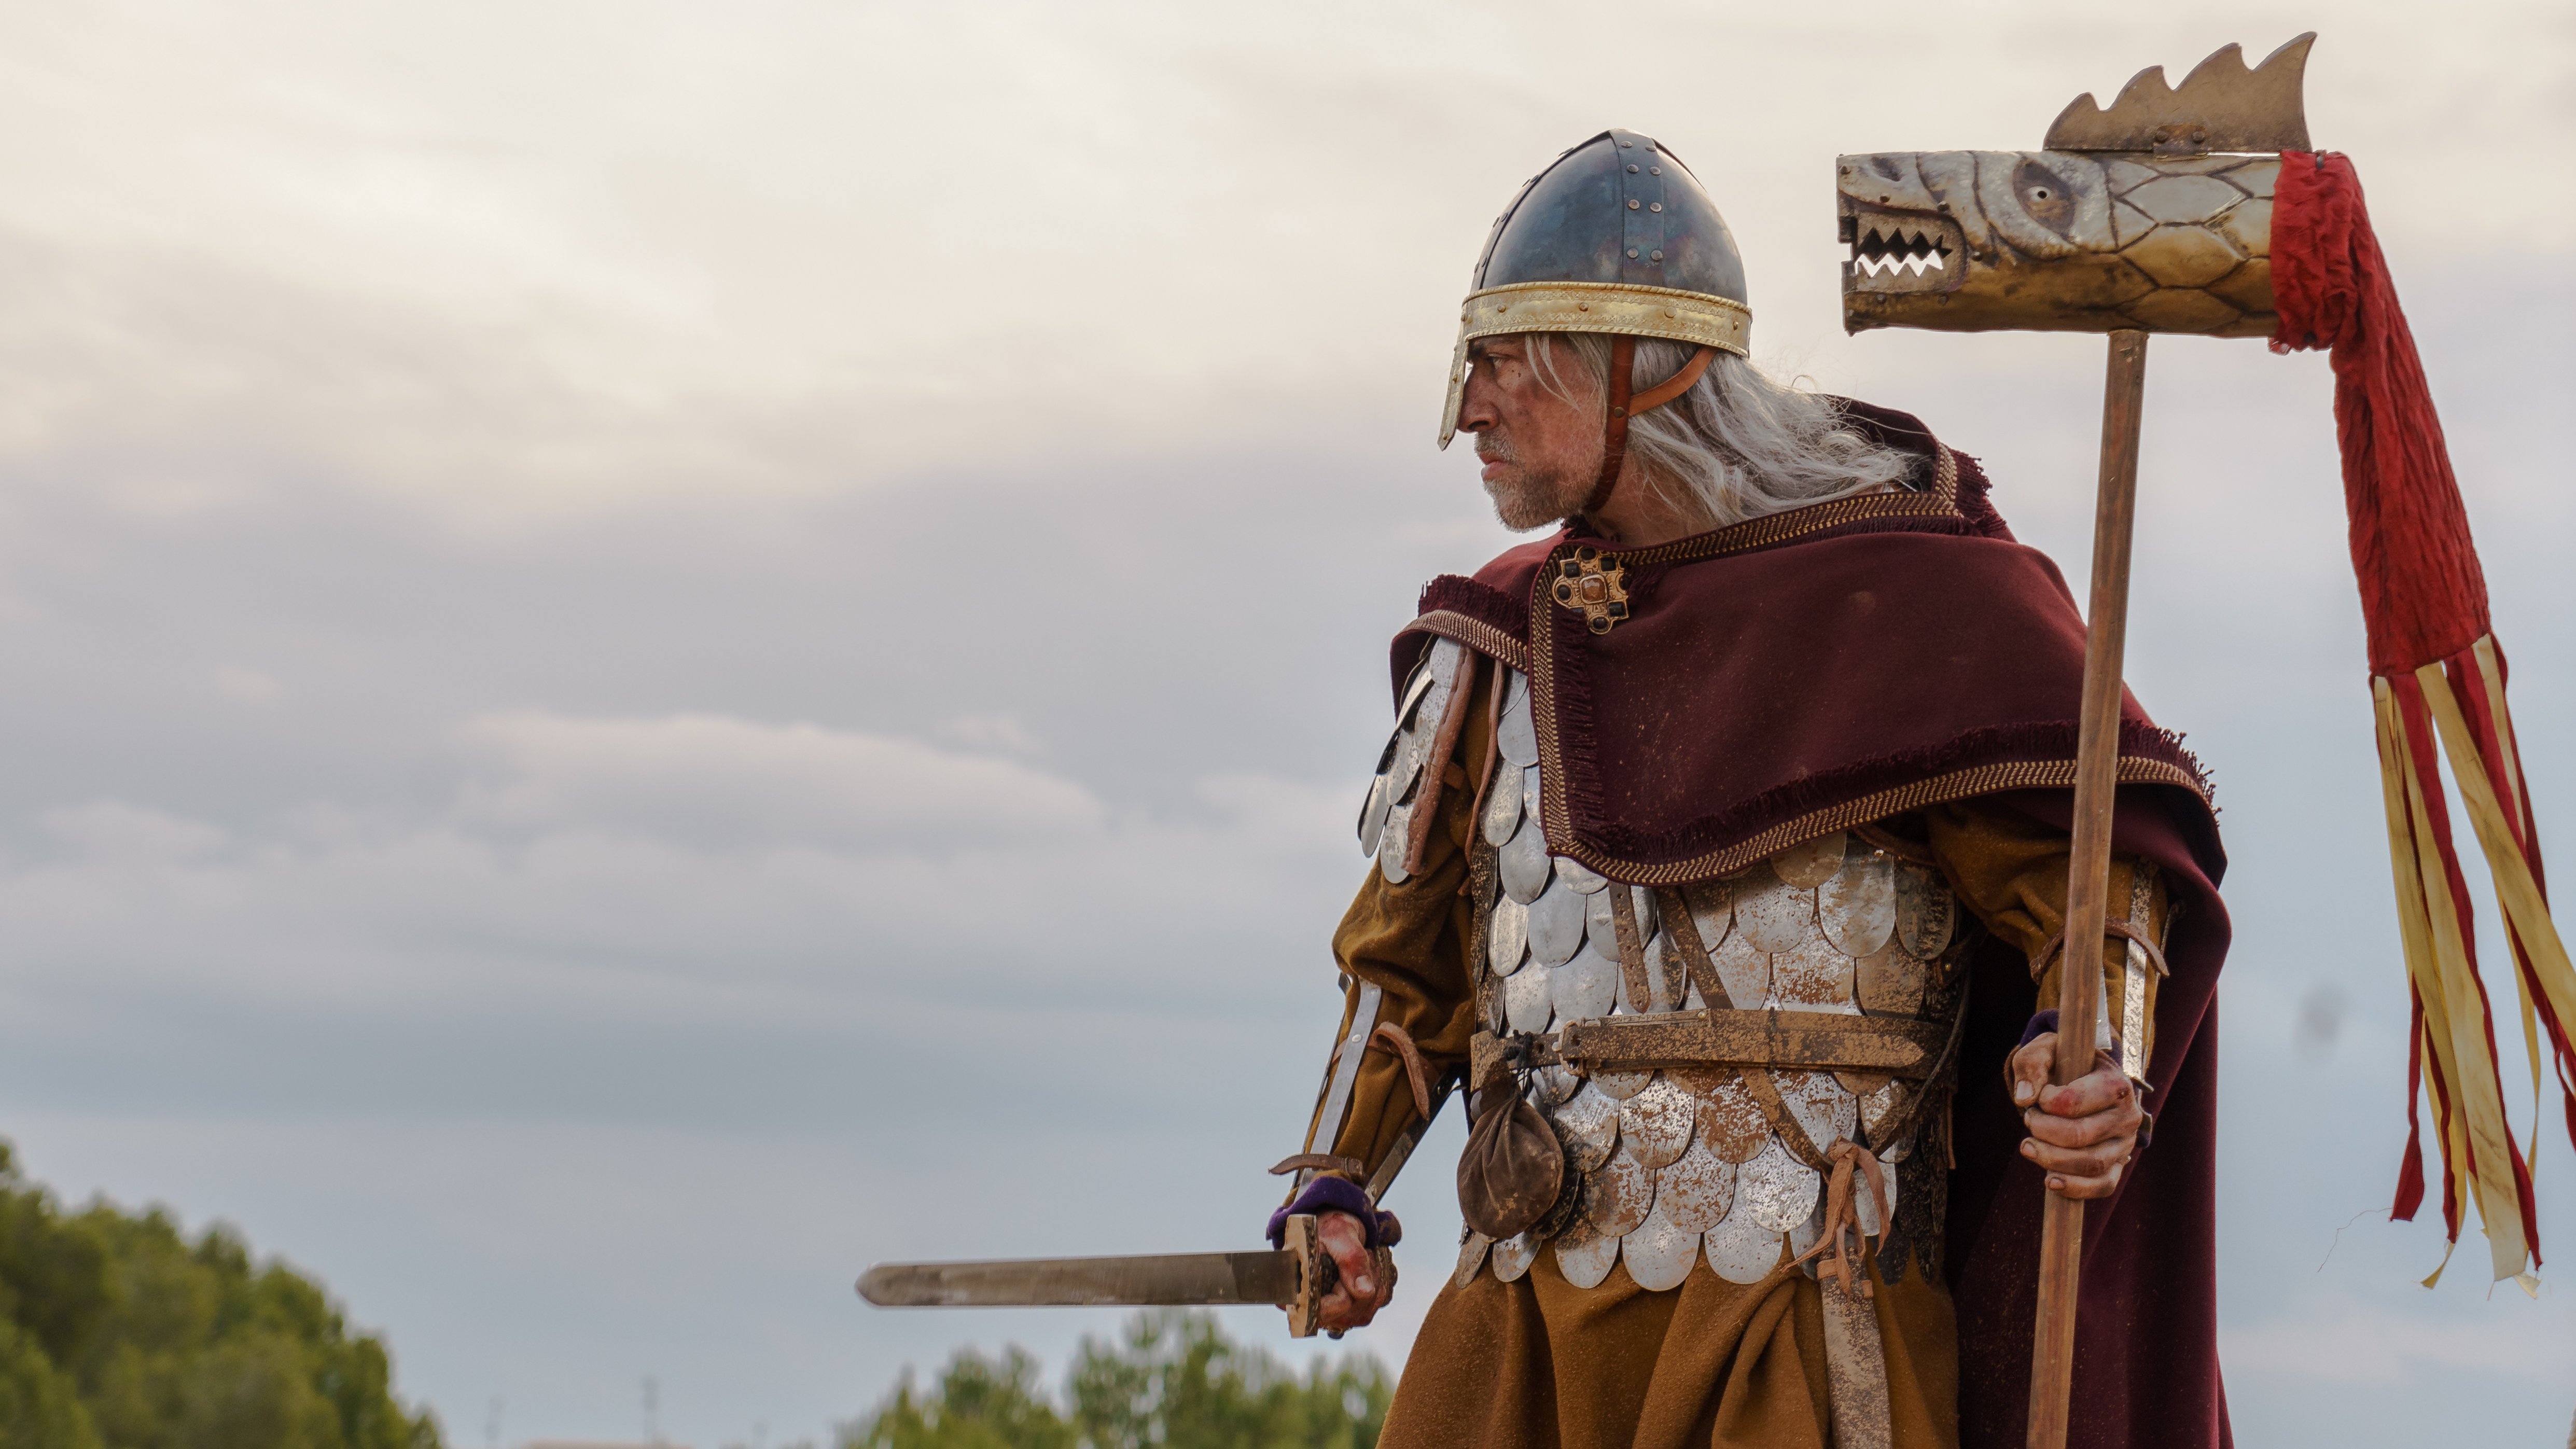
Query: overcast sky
[[659, 650]]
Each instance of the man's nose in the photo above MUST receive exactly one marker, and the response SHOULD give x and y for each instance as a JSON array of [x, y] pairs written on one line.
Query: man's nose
[[1475, 408]]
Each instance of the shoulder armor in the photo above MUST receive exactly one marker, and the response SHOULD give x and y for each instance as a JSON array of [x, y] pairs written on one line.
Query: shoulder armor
[[1388, 810]]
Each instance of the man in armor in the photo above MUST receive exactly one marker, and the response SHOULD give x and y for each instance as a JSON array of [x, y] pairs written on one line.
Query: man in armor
[[1721, 853]]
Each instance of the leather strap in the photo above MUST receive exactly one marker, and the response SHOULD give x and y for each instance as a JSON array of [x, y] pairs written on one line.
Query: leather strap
[[2048, 951], [1912, 1117], [1614, 433], [1790, 1040], [1881, 838], [1493, 752], [1614, 442], [1675, 385], [1435, 766], [1632, 949], [1683, 929], [1415, 1069], [1321, 1162], [2155, 956], [1793, 1133], [1841, 1216], [1493, 1060]]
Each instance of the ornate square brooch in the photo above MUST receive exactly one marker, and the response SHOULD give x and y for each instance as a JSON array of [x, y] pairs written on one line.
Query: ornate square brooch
[[1600, 594]]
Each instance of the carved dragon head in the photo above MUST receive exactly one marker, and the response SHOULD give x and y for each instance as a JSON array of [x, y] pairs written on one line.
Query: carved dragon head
[[2135, 217]]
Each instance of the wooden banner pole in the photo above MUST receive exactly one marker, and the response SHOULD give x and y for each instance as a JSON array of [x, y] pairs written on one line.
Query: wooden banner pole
[[2089, 871]]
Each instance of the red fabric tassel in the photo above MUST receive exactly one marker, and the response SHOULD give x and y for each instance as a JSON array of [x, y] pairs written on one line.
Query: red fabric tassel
[[2423, 596], [2424, 604]]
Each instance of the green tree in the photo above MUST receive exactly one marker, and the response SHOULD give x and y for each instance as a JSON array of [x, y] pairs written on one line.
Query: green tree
[[1173, 1381], [117, 1332], [39, 1404], [1178, 1382], [979, 1403]]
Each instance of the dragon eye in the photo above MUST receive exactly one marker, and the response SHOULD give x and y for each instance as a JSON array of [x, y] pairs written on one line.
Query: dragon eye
[[2045, 195]]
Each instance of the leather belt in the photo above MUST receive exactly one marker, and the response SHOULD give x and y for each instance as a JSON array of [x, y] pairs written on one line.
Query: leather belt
[[1824, 1041]]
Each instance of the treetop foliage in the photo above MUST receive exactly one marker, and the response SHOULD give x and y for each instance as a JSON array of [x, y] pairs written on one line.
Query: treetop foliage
[[1175, 1382], [116, 1332]]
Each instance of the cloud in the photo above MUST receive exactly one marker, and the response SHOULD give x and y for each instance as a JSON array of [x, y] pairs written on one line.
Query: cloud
[[119, 836], [708, 779], [379, 252], [671, 869]]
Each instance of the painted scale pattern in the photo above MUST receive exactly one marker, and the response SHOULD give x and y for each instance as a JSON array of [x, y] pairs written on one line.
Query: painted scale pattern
[[2000, 238], [1682, 1164]]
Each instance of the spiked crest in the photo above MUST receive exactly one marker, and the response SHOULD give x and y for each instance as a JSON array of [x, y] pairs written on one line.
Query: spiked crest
[[2220, 106]]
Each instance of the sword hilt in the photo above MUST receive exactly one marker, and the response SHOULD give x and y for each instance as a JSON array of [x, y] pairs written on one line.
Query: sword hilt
[[1317, 1275]]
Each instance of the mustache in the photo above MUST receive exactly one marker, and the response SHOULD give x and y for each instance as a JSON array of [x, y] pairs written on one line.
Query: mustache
[[1491, 449]]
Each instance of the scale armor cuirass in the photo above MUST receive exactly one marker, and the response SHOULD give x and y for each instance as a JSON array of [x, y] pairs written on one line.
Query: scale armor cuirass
[[1679, 1162]]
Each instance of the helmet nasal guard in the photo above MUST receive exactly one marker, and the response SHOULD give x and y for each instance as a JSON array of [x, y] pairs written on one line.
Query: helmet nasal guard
[[1617, 237]]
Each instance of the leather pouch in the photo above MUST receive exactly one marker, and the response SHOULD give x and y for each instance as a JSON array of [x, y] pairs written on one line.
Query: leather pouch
[[1513, 1169]]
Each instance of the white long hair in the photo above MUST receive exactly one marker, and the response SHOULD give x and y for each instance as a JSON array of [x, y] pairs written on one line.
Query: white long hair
[[1737, 445]]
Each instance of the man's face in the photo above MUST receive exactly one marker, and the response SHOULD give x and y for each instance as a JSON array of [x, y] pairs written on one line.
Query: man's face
[[1542, 454]]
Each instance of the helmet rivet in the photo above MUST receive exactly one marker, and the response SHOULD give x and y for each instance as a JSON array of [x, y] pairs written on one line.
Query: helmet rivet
[[1659, 256], [1632, 168], [1625, 145], [1654, 171], [1632, 253], [1632, 206], [1658, 206]]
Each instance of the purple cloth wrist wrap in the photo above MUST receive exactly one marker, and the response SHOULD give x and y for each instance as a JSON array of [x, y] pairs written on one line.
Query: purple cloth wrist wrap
[[1333, 1194]]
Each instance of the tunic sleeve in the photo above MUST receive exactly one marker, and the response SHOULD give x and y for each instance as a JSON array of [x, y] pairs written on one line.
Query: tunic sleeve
[[2010, 870], [1409, 939]]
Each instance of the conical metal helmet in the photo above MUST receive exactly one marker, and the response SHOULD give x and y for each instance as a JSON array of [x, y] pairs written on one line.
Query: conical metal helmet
[[1618, 237]]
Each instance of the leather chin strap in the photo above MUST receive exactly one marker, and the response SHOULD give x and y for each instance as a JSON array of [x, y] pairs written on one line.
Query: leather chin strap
[[1614, 447]]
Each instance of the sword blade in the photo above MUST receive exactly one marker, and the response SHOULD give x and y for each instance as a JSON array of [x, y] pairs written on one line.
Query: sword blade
[[1163, 1278]]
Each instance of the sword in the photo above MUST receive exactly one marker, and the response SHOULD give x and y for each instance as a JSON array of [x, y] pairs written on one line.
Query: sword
[[1297, 1277]]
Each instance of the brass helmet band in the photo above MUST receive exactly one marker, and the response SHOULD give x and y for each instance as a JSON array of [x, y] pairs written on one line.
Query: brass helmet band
[[1618, 308]]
